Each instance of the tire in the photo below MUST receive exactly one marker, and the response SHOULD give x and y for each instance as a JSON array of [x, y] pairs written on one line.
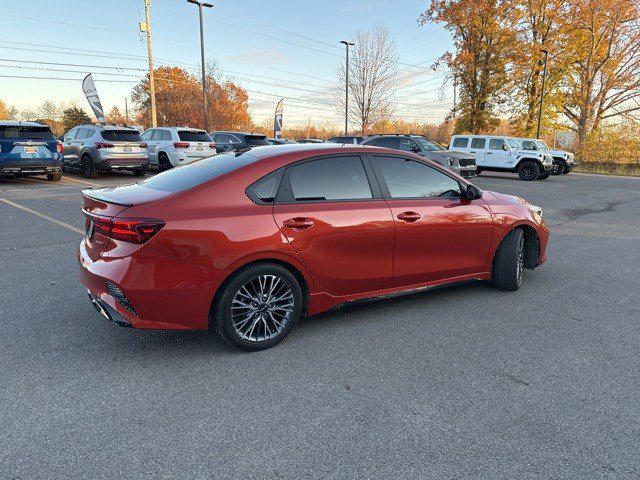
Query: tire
[[528, 171], [567, 170], [508, 262], [54, 177], [478, 171], [242, 293], [163, 162], [558, 168], [139, 172], [87, 167], [543, 176]]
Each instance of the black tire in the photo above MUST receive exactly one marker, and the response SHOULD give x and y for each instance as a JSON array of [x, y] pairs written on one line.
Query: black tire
[[87, 167], [254, 314], [139, 172], [478, 171], [54, 177], [567, 170], [163, 162], [543, 176], [558, 168], [528, 171], [508, 262]]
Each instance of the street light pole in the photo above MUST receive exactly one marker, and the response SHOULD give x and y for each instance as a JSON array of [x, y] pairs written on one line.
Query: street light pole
[[544, 81], [201, 4], [346, 86], [152, 87]]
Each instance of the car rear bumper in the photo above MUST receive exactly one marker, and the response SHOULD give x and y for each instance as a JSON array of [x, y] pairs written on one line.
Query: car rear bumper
[[31, 168], [126, 163], [178, 159], [163, 293]]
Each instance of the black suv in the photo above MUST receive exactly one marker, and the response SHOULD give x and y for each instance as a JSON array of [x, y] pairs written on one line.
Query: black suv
[[346, 139], [463, 164], [227, 141]]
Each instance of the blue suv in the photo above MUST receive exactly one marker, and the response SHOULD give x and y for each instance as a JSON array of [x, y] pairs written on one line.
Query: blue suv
[[29, 148]]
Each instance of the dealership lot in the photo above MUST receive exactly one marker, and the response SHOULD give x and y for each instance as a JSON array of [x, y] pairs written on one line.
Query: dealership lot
[[464, 381]]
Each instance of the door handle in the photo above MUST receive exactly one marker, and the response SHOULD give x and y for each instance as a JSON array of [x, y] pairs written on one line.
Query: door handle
[[409, 217], [299, 223], [489, 153]]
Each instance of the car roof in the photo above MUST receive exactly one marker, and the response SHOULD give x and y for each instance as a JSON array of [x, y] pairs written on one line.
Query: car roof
[[239, 133], [13, 123], [481, 135]]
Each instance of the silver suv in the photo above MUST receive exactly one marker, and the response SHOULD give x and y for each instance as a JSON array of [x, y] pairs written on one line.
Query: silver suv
[[175, 146], [104, 148]]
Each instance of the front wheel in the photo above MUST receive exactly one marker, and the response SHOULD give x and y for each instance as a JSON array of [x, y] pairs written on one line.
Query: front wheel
[[558, 168], [259, 307], [543, 176], [528, 171], [508, 262], [54, 177]]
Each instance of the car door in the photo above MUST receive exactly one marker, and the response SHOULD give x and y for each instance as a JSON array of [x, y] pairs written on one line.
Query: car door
[[439, 235], [334, 217], [497, 153], [151, 146], [477, 147]]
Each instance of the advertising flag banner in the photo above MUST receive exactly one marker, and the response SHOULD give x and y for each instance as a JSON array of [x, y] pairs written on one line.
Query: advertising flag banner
[[89, 89], [277, 121]]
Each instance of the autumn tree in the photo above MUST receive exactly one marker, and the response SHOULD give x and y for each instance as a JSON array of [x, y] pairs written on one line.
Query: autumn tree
[[483, 34], [372, 77], [179, 100], [3, 111], [116, 117], [604, 78], [74, 116]]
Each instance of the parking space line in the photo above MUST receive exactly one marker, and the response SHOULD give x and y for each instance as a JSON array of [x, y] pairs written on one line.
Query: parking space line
[[82, 181], [42, 215]]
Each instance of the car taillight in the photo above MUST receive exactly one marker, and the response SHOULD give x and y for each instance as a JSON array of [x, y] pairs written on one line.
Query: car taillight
[[143, 145], [212, 145], [104, 145], [181, 144], [59, 147], [132, 230]]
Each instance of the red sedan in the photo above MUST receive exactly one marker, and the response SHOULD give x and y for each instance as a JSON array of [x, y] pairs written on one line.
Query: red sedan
[[250, 241]]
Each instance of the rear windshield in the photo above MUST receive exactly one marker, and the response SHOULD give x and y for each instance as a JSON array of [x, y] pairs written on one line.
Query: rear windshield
[[42, 134], [121, 135], [187, 136], [198, 172], [255, 140]]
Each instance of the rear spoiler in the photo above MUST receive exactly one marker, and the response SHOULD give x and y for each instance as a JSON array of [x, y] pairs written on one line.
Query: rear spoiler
[[104, 197]]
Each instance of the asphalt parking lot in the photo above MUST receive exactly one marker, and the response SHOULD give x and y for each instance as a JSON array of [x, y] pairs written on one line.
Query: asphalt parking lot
[[460, 382]]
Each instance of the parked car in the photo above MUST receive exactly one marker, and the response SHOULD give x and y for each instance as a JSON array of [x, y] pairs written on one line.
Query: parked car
[[309, 140], [228, 141], [504, 154], [174, 146], [346, 139], [249, 242], [29, 148], [279, 141], [105, 148], [462, 163], [563, 161]]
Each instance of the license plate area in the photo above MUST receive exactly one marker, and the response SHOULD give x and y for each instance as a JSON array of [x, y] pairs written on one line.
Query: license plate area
[[30, 149]]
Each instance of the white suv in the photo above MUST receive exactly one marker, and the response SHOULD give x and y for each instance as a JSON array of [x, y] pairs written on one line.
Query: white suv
[[175, 146], [504, 154], [563, 161]]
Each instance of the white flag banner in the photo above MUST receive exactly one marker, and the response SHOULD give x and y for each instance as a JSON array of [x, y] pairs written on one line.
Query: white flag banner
[[90, 91]]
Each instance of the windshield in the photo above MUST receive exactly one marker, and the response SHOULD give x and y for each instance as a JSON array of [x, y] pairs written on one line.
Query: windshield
[[513, 143], [542, 145], [428, 145], [193, 136], [529, 145]]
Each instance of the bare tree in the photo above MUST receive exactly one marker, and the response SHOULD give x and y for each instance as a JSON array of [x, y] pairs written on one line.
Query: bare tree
[[372, 77]]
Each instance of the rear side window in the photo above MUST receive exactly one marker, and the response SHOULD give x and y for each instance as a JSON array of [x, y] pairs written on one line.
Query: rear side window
[[42, 134], [389, 142], [196, 173], [460, 142], [408, 145], [411, 179], [264, 191], [191, 136], [121, 135], [529, 145], [478, 143], [340, 178], [84, 133], [496, 144], [256, 140]]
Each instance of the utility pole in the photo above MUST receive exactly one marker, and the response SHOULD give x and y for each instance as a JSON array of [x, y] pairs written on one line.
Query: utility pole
[[204, 77], [455, 88], [544, 81], [346, 86], [152, 86], [126, 109]]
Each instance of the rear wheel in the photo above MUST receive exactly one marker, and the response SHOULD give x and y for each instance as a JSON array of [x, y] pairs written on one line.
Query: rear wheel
[[87, 167], [508, 262], [259, 307], [54, 177], [566, 170], [163, 162], [558, 168], [528, 171], [139, 172]]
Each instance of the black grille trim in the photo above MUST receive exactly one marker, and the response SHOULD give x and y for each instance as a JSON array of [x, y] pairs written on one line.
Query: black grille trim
[[116, 293]]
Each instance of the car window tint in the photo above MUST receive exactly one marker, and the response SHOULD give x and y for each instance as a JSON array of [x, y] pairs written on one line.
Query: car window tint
[[166, 135], [341, 178], [478, 143], [389, 142], [84, 133], [407, 144], [193, 136], [412, 179], [156, 134], [264, 190], [221, 138], [71, 135], [496, 144], [26, 133], [198, 172], [529, 145], [121, 135], [460, 142], [147, 135]]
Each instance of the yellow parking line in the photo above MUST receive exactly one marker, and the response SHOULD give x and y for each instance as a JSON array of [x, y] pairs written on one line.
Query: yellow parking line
[[82, 181], [42, 215]]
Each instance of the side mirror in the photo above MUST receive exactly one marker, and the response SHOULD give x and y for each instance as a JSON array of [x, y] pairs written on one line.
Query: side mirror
[[471, 192]]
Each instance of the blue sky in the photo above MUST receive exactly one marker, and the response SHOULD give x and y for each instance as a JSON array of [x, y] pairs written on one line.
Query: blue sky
[[250, 40]]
